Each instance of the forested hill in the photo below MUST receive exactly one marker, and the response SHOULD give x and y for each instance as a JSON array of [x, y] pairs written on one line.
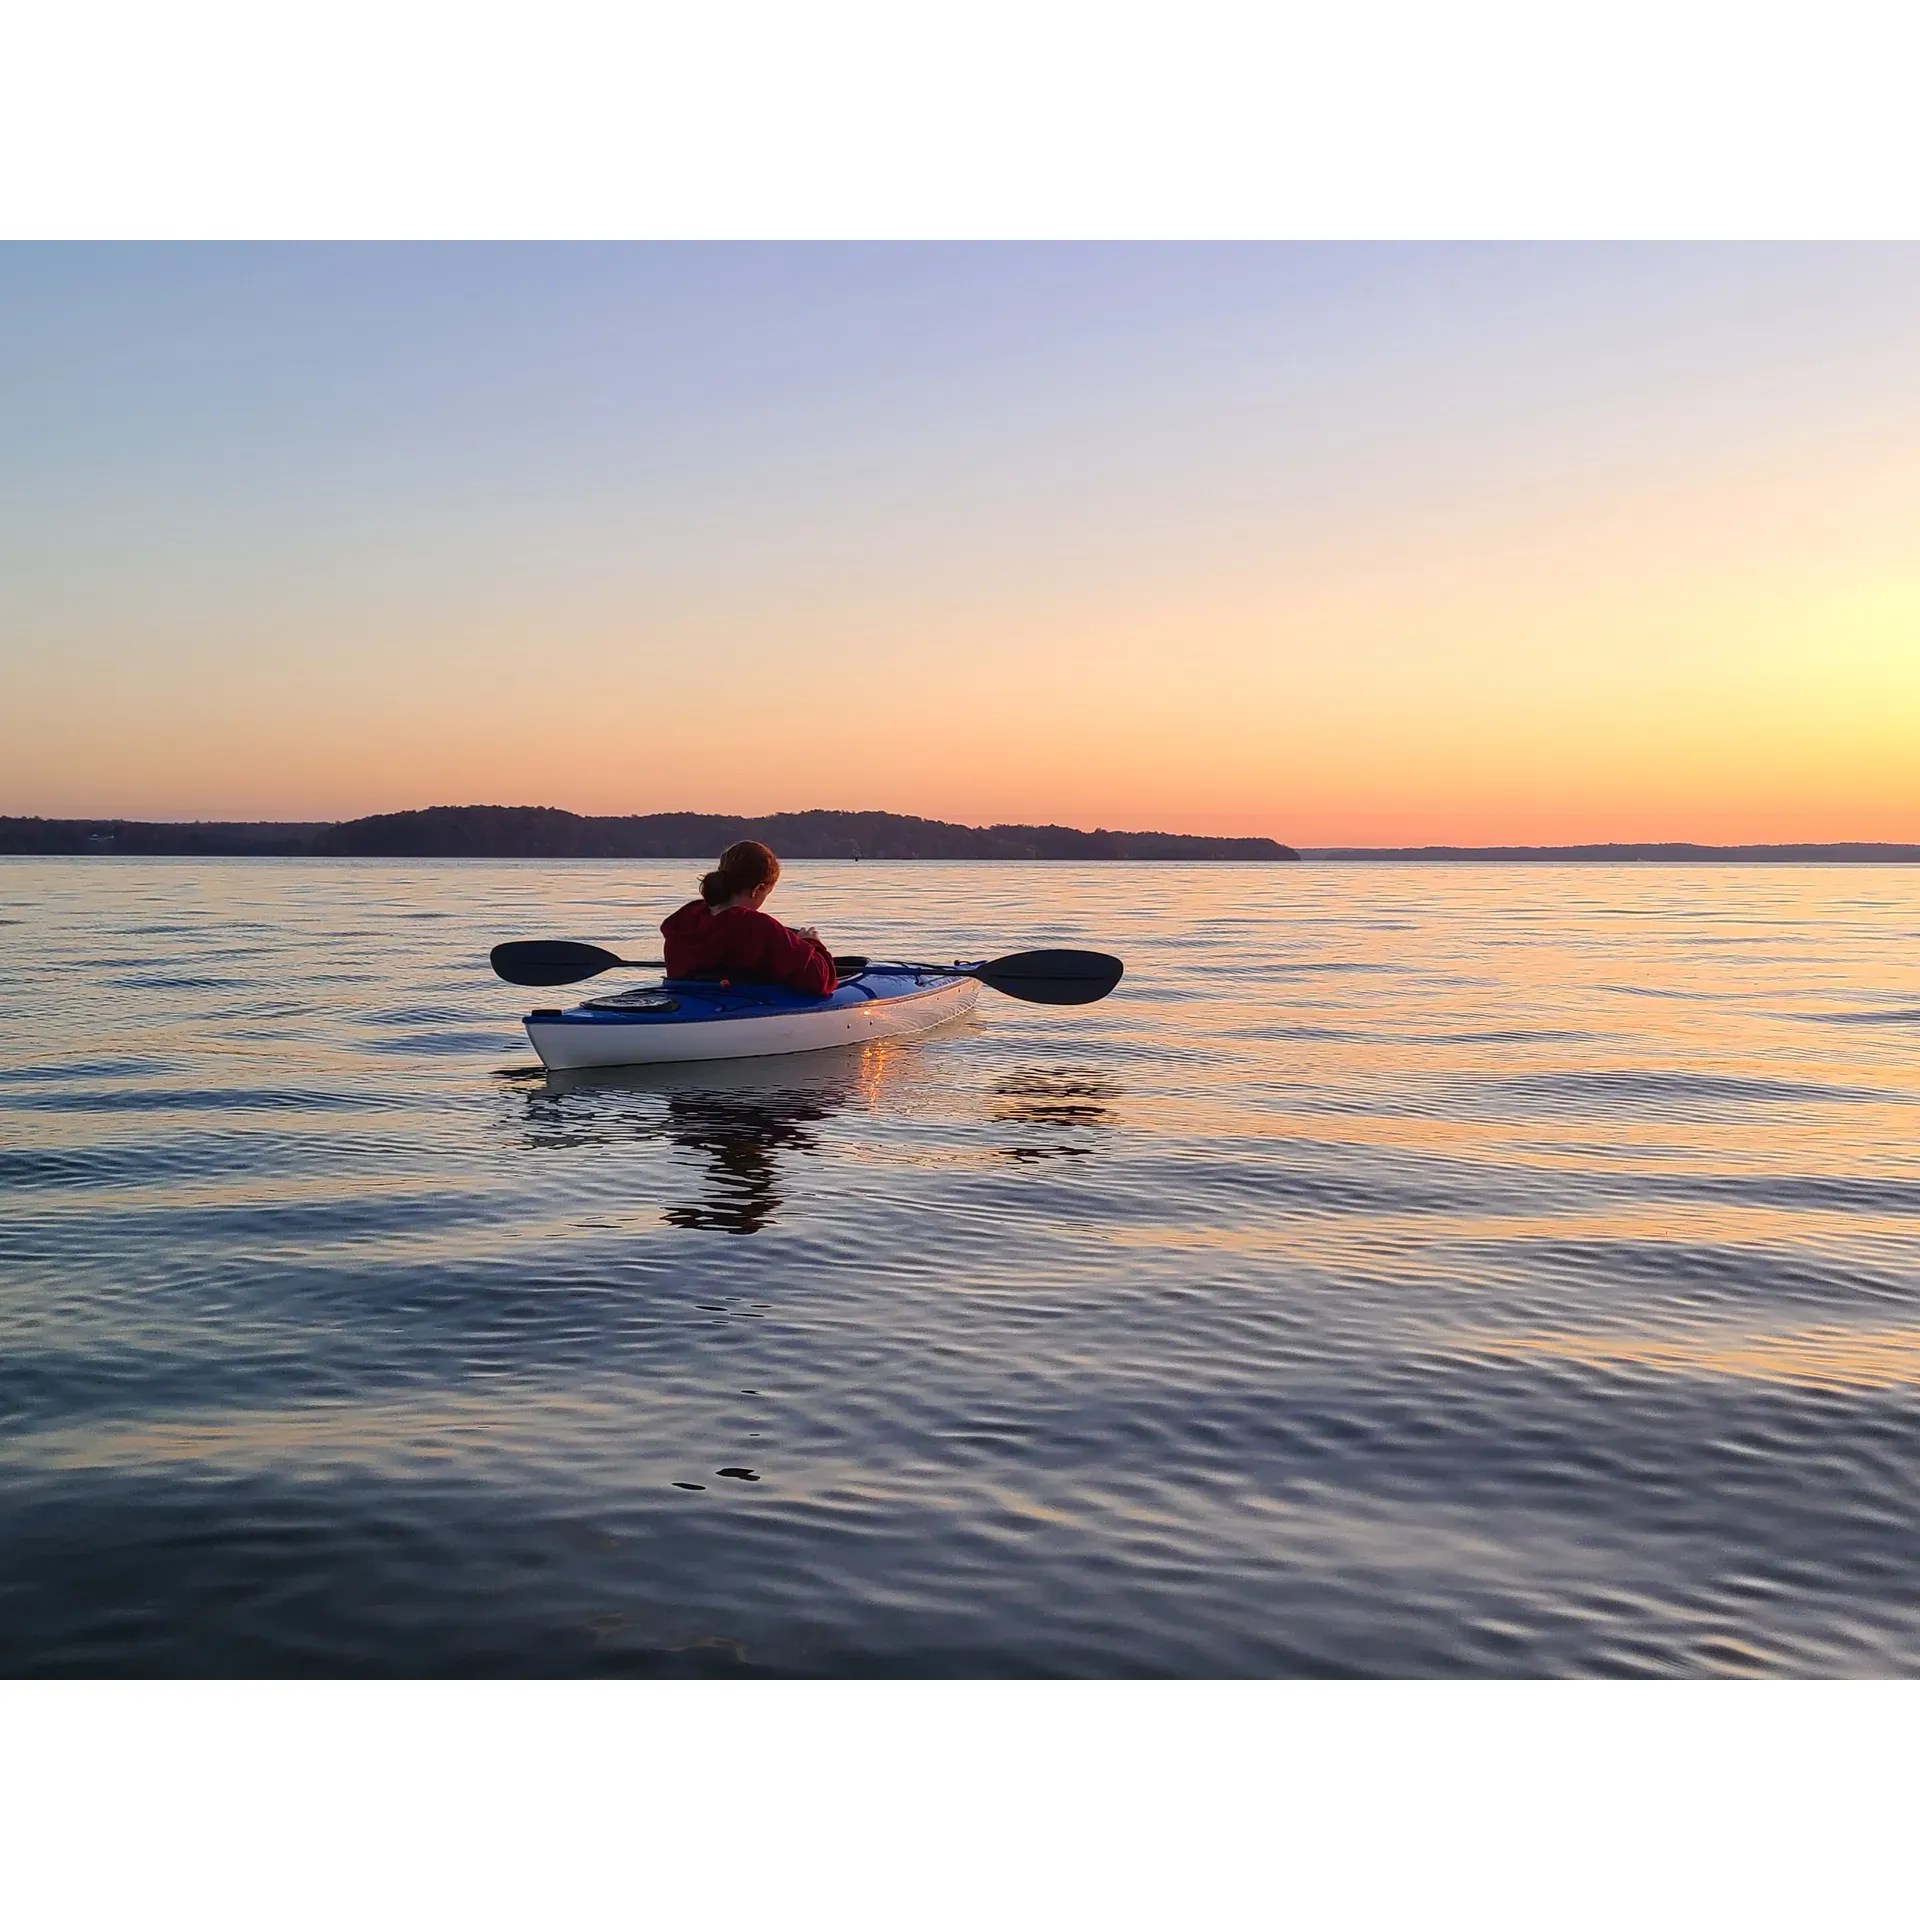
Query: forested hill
[[549, 833]]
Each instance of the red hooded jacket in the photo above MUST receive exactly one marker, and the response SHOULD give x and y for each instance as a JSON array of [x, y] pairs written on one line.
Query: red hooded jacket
[[740, 943]]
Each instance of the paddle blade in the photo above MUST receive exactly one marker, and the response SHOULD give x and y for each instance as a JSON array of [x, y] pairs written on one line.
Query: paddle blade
[[1054, 976], [550, 963]]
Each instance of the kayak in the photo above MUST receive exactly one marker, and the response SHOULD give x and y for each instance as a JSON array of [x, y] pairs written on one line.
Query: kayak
[[707, 1020]]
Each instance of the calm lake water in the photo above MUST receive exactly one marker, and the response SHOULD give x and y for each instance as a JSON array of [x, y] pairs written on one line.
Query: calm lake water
[[1407, 1271]]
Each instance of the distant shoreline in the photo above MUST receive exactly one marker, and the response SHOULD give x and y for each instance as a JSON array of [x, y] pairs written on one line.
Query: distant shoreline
[[550, 833]]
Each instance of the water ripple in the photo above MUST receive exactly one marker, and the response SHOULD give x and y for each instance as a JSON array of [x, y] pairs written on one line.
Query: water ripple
[[1409, 1271]]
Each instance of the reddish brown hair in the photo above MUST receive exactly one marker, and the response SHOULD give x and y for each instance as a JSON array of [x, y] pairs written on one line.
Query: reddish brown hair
[[745, 867]]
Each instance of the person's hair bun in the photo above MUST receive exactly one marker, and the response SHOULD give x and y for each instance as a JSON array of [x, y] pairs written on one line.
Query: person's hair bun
[[745, 867]]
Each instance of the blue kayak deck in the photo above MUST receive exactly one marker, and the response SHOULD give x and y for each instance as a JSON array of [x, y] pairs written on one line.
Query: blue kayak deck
[[700, 1001]]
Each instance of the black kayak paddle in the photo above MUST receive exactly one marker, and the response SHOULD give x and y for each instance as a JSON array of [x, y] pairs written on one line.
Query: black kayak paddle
[[1051, 976], [555, 963]]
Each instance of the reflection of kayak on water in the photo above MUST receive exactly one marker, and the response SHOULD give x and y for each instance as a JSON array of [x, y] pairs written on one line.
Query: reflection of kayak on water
[[702, 1020], [748, 1122], [743, 1120]]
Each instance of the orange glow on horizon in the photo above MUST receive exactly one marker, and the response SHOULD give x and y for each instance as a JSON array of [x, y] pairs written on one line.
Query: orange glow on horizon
[[1465, 695]]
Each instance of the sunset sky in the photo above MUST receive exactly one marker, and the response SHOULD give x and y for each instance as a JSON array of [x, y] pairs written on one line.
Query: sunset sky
[[1345, 544]]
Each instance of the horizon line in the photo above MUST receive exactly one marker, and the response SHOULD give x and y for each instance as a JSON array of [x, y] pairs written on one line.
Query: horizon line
[[1651, 851]]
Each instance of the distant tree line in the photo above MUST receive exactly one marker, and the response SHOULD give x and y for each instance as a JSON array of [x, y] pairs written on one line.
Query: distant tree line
[[550, 833], [158, 836]]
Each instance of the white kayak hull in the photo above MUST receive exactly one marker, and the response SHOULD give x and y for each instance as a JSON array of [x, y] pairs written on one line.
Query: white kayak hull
[[708, 1024]]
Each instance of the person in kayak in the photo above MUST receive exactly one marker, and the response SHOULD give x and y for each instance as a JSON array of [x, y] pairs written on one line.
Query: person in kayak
[[724, 934]]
